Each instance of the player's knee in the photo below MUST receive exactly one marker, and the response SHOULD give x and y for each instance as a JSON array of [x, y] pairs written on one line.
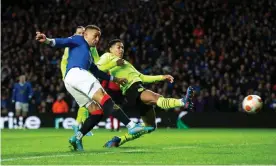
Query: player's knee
[[93, 109], [150, 97], [155, 99], [99, 95], [97, 112]]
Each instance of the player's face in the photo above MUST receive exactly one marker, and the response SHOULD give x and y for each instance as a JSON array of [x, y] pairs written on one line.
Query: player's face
[[117, 49], [92, 36], [79, 31], [22, 79]]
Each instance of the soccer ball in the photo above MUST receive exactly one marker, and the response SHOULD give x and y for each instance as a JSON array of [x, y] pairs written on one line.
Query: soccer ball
[[252, 104]]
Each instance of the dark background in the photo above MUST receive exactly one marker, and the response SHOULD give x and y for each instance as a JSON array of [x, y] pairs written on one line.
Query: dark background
[[224, 49]]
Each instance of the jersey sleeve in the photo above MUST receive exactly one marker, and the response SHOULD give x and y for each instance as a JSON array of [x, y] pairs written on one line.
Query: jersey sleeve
[[106, 62], [100, 74], [149, 78], [72, 41]]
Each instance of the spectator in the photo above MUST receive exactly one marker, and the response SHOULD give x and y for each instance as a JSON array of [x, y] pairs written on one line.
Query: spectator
[[22, 93], [213, 43], [60, 106], [4, 104], [272, 102], [198, 32]]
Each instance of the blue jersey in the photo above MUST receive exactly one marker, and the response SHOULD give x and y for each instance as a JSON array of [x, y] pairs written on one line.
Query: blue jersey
[[79, 55], [22, 92]]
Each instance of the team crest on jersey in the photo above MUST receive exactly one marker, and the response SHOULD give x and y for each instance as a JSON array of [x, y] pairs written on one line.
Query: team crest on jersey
[[116, 107], [141, 89]]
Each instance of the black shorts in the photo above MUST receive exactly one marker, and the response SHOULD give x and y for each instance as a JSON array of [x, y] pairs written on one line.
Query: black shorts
[[133, 100], [116, 96]]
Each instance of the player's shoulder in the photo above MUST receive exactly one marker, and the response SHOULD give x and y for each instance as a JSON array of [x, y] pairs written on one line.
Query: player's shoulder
[[107, 54], [27, 83], [78, 38], [127, 62], [17, 85]]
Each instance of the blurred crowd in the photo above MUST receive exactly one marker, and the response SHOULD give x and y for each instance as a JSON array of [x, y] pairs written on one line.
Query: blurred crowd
[[224, 49]]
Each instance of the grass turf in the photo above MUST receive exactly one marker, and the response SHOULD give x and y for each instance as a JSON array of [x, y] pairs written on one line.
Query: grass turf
[[164, 146]]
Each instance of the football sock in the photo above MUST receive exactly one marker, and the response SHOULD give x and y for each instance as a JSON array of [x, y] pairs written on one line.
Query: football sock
[[128, 137], [166, 103], [89, 123], [107, 106], [78, 120]]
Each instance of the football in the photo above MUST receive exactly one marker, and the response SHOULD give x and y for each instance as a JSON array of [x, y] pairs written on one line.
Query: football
[[252, 104]]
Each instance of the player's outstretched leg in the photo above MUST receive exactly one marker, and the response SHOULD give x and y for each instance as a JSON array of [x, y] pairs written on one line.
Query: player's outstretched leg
[[148, 117], [81, 117], [107, 107], [76, 143], [118, 141], [188, 98], [150, 97], [88, 124]]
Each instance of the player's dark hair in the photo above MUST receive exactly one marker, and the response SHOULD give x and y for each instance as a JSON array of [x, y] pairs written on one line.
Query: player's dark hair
[[112, 42], [92, 27], [74, 30], [82, 27]]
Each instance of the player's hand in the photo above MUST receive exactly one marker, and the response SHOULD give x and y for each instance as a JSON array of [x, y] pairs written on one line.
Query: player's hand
[[121, 81], [41, 37], [169, 78], [120, 62]]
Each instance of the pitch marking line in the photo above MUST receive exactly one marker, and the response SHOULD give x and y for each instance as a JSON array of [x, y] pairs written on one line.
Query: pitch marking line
[[179, 147], [68, 155], [74, 154]]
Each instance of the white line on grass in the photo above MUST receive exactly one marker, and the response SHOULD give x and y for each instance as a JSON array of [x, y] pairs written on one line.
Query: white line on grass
[[178, 147], [72, 154], [239, 144], [132, 162], [118, 162]]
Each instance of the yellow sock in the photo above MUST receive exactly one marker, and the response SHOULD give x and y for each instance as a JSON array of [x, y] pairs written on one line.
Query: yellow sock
[[85, 114], [128, 137], [166, 103], [82, 115]]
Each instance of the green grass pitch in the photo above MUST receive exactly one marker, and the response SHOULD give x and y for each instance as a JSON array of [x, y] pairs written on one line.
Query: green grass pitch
[[162, 147]]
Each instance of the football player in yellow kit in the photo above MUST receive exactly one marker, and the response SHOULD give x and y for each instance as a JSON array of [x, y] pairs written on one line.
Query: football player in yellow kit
[[136, 95]]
